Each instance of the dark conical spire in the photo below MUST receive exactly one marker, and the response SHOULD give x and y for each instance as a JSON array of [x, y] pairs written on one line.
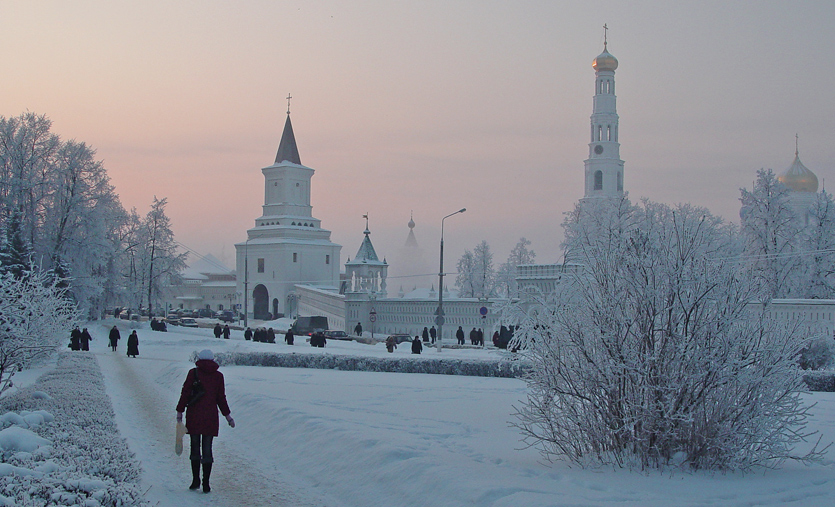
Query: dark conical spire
[[287, 149]]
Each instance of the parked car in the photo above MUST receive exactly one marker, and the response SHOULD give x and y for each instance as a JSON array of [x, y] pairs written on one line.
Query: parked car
[[188, 322], [308, 325], [336, 335], [205, 313], [400, 338], [226, 316], [172, 318]]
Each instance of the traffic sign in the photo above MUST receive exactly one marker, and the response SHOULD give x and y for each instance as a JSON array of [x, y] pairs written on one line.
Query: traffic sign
[[439, 320], [483, 311]]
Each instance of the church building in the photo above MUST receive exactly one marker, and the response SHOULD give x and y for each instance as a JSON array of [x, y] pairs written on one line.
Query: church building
[[287, 246]]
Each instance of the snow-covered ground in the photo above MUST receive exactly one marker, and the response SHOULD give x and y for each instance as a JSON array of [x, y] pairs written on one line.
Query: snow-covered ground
[[309, 437]]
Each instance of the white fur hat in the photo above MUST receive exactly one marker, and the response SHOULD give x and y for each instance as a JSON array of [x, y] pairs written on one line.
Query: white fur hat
[[206, 354]]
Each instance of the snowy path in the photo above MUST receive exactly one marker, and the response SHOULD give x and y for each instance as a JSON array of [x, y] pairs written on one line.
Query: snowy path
[[144, 391]]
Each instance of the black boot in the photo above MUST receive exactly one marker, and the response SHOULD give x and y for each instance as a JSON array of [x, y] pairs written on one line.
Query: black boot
[[207, 471], [195, 474]]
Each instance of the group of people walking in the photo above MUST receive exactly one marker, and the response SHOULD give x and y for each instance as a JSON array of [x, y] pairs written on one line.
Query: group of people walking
[[80, 340]]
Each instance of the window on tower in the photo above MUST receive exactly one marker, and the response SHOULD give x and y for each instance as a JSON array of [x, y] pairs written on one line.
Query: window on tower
[[620, 182], [260, 265], [598, 180]]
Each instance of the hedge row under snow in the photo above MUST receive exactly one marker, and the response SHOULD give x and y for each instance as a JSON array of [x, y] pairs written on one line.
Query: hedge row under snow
[[473, 368], [88, 463], [820, 381]]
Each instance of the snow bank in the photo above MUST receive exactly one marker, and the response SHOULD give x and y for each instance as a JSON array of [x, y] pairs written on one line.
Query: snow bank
[[820, 381], [411, 364], [61, 445]]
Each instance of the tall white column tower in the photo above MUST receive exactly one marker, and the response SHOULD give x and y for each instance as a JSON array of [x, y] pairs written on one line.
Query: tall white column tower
[[604, 168]]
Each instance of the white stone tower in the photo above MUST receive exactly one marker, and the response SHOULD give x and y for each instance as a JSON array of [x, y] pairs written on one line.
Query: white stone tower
[[803, 184], [287, 246], [604, 168]]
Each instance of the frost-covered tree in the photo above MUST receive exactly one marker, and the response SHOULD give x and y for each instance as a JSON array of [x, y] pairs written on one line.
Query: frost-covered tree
[[15, 251], [652, 356], [34, 313], [476, 276], [771, 229], [466, 275], [159, 257], [818, 244], [506, 276]]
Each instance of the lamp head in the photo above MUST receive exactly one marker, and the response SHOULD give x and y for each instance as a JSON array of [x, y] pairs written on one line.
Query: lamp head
[[462, 210]]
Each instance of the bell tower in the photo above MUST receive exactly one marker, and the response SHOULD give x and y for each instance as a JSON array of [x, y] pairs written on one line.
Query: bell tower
[[604, 168]]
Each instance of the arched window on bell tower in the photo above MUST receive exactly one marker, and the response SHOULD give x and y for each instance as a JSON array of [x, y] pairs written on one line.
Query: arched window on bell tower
[[598, 180]]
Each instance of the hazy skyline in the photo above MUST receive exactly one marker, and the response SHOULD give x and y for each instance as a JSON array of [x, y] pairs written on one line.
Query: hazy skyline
[[425, 107]]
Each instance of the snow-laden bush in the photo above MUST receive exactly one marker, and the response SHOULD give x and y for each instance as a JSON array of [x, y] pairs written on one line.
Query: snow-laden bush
[[648, 357], [474, 368], [817, 354], [74, 456], [34, 312]]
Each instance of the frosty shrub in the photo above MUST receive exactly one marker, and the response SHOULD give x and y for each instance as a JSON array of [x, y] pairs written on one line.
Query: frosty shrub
[[648, 357], [473, 368], [818, 354], [34, 312]]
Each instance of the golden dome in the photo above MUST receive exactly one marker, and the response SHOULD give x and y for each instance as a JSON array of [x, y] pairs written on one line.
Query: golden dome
[[605, 61], [799, 178]]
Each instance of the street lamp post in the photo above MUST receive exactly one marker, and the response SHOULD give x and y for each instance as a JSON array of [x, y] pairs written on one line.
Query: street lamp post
[[246, 283], [440, 318]]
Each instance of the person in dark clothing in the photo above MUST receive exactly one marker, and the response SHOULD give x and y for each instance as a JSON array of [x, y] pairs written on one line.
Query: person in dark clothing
[[391, 344], [201, 415], [495, 338], [248, 334], [75, 339], [270, 335], [425, 334], [288, 337], [460, 335], [114, 337], [479, 337], [226, 331], [133, 344], [218, 331], [417, 346], [85, 338], [358, 329], [473, 336], [318, 339], [433, 334]]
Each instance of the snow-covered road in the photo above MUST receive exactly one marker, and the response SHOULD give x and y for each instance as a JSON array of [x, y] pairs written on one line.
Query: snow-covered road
[[350, 438]]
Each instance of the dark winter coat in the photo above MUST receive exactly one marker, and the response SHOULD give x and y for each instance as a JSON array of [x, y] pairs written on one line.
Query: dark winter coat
[[270, 335], [248, 334], [201, 418], [417, 347], [218, 331], [226, 332], [425, 334], [75, 339], [433, 333], [288, 337], [114, 336], [85, 339], [460, 335], [133, 344], [358, 329]]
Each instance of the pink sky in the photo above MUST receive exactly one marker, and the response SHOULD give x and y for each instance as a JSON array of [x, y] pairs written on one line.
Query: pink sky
[[424, 107]]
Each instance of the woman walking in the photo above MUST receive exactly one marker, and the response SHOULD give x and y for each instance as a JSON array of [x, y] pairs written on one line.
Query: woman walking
[[201, 413], [133, 344]]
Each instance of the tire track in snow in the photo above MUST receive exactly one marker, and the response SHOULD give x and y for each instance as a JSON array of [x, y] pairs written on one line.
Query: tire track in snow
[[146, 419]]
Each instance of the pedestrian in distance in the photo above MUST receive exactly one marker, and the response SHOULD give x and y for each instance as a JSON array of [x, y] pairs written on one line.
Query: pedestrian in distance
[[248, 334], [226, 332], [114, 337], [270, 335], [75, 339], [433, 333], [133, 344], [218, 330], [203, 393], [417, 346], [391, 344], [425, 334], [85, 338], [358, 329], [460, 335], [288, 337]]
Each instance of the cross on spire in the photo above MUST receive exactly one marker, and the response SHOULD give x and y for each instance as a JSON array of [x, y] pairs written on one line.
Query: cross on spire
[[605, 35], [288, 103], [365, 216]]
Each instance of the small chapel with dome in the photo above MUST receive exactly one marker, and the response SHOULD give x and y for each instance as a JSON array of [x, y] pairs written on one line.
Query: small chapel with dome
[[803, 185]]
